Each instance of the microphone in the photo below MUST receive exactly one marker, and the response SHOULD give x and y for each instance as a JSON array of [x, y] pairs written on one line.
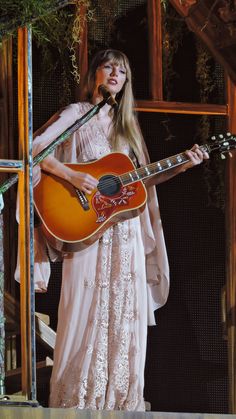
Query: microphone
[[106, 94]]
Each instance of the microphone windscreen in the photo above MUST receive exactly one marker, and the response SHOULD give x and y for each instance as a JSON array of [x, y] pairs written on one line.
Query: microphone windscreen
[[106, 94]]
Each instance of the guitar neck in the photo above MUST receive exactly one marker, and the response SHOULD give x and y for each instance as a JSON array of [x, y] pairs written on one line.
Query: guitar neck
[[160, 166]]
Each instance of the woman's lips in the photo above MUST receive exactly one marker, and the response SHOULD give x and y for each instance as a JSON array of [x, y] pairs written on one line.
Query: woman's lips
[[112, 81]]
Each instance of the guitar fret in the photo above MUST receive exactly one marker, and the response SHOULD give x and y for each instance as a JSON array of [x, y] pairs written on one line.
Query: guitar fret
[[134, 175], [154, 168], [113, 195], [179, 158], [131, 176]]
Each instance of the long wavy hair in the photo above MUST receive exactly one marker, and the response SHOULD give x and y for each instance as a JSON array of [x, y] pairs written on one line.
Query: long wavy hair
[[125, 123]]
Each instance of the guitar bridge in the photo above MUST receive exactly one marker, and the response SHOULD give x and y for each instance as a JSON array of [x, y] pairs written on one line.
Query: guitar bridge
[[82, 199]]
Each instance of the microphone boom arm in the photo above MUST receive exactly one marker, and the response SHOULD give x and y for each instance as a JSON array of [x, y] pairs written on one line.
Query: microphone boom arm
[[59, 140]]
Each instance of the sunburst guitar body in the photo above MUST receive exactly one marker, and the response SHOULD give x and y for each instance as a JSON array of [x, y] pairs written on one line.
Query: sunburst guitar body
[[72, 220]]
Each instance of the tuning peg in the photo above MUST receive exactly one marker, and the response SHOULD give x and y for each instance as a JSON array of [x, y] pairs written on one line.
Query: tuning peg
[[213, 138], [228, 134], [222, 156]]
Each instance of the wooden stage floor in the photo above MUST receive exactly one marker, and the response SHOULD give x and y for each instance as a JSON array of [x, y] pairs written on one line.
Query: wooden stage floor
[[46, 413]]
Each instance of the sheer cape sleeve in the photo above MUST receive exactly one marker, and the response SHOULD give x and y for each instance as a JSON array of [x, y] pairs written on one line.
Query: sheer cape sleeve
[[56, 125], [157, 268], [157, 265]]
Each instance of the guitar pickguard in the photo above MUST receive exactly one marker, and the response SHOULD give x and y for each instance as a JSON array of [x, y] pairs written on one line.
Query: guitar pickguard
[[104, 206]]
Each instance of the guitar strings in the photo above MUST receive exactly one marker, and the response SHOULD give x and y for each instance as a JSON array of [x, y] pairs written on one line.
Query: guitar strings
[[162, 166], [142, 170]]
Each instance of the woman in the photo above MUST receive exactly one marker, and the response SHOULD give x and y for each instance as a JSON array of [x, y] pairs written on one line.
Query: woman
[[111, 289]]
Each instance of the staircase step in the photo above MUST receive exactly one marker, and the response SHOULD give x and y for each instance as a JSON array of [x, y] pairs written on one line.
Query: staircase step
[[45, 334], [43, 373]]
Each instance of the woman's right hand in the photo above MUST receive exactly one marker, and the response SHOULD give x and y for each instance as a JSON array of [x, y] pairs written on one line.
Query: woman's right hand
[[80, 180], [83, 181]]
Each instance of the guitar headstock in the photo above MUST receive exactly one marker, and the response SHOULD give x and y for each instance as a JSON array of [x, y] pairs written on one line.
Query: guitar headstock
[[222, 143]]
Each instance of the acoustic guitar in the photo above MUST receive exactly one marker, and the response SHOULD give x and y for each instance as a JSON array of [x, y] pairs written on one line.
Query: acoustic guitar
[[72, 220]]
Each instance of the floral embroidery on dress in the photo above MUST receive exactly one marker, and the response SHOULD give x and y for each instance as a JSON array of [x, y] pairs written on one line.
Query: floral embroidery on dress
[[104, 373], [114, 313]]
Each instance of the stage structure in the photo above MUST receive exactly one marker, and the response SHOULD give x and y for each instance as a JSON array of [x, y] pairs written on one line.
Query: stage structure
[[24, 169], [26, 219], [23, 172]]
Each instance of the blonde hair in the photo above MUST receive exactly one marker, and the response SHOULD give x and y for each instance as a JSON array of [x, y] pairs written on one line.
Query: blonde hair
[[125, 124]]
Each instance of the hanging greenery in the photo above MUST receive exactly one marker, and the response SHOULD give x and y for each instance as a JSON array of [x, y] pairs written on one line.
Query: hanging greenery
[[214, 172], [204, 76], [172, 37], [173, 32], [17, 13], [77, 31], [57, 27]]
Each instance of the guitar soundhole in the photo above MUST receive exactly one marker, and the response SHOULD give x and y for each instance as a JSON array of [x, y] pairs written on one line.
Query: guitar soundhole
[[109, 185]]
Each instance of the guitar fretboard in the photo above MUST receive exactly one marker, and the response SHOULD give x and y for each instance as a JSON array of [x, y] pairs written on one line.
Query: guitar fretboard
[[152, 169]]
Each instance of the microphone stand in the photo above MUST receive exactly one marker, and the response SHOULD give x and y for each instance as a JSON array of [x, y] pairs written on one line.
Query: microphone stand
[[59, 140]]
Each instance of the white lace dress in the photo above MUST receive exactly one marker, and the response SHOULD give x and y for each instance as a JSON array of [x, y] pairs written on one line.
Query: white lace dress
[[105, 302]]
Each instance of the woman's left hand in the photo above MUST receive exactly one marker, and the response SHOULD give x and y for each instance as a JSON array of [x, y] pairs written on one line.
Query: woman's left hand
[[196, 156]]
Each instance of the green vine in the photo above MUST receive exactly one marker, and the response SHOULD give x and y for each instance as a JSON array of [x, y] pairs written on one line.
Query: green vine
[[173, 29], [204, 73], [214, 172], [18, 13], [206, 86], [172, 37], [107, 10], [77, 32], [57, 29], [59, 35]]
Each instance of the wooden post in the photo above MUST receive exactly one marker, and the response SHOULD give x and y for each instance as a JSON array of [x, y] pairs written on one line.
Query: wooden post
[[155, 49], [26, 215], [231, 253]]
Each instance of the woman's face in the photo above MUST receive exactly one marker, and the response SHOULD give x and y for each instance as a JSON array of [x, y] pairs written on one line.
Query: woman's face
[[112, 76]]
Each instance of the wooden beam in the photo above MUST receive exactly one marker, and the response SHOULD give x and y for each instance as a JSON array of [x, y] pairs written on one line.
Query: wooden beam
[[180, 107], [196, 17], [182, 7], [155, 49]]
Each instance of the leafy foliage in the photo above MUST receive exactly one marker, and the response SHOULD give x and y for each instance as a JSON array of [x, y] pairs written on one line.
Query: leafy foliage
[[15, 13], [57, 27]]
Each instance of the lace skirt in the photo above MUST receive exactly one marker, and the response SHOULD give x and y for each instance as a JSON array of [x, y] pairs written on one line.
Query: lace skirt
[[100, 350]]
